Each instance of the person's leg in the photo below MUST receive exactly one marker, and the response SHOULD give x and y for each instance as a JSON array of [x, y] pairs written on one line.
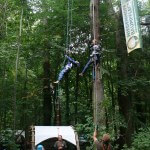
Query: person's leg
[[86, 66], [94, 67], [95, 63], [94, 72], [97, 59], [61, 74]]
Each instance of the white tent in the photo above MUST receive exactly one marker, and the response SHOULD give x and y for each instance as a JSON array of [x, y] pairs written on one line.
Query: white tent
[[43, 133]]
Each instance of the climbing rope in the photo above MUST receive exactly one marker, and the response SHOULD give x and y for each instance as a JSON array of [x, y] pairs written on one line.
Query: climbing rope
[[95, 73], [68, 17], [71, 21], [95, 94], [68, 42], [94, 34], [69, 24]]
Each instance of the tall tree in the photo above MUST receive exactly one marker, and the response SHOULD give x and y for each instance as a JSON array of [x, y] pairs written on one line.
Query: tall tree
[[98, 94], [124, 97], [16, 67], [47, 101]]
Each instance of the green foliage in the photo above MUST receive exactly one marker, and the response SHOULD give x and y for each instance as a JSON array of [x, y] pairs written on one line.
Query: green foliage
[[44, 36], [7, 139], [86, 130], [142, 139]]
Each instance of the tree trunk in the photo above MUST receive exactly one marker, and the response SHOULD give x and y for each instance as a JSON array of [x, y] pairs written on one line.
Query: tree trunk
[[3, 101], [98, 94], [47, 103], [16, 71], [111, 91], [124, 102], [125, 105], [23, 119]]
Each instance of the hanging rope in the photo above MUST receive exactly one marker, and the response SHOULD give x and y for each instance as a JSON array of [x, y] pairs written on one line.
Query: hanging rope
[[95, 94], [69, 24], [71, 21], [94, 19], [68, 42], [68, 17]]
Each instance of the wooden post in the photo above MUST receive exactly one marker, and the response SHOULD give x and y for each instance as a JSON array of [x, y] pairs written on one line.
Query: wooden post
[[98, 94], [77, 140], [33, 137]]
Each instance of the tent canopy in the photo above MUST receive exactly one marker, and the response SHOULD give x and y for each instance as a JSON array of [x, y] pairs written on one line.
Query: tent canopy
[[43, 133]]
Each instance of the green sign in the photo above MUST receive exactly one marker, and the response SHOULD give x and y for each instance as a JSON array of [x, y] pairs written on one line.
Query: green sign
[[131, 24]]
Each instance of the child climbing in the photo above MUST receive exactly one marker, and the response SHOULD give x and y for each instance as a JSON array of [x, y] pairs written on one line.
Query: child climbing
[[94, 57], [67, 68]]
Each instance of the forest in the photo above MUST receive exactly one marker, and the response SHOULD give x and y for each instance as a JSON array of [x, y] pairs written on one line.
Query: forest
[[34, 35]]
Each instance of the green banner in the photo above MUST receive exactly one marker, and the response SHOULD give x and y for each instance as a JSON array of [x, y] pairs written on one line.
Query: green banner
[[131, 24]]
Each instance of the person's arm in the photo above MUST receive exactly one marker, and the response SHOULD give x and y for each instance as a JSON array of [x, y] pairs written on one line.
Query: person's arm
[[95, 136], [72, 60]]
